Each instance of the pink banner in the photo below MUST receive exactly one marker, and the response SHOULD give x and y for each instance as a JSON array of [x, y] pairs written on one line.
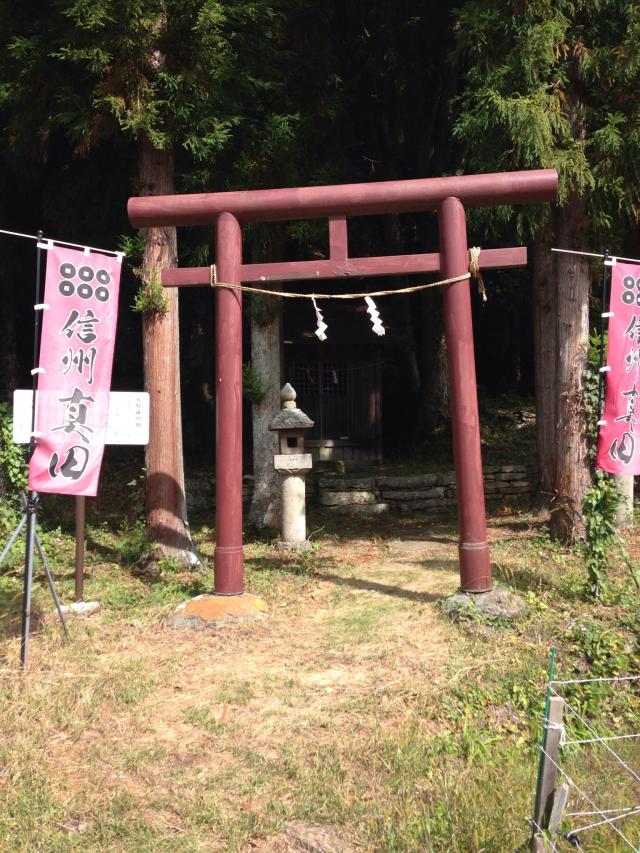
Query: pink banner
[[619, 437], [76, 356]]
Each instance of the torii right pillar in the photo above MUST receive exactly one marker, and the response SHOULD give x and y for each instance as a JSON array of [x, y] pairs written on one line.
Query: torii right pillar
[[475, 562]]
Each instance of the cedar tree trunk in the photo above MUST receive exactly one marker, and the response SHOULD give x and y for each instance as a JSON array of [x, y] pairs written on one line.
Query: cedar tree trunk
[[545, 359], [167, 527], [572, 478], [434, 390], [266, 324]]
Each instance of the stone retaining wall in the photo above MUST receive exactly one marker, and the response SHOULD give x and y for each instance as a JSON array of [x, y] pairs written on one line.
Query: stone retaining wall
[[378, 493], [201, 490]]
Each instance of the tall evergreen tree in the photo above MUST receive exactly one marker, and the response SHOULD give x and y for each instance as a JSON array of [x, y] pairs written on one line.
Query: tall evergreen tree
[[554, 85], [170, 76]]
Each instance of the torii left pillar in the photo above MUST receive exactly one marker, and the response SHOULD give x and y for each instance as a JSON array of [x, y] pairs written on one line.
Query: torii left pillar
[[228, 559]]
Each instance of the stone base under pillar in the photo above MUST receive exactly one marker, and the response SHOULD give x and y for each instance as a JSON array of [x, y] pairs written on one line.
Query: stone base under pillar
[[497, 605], [210, 610]]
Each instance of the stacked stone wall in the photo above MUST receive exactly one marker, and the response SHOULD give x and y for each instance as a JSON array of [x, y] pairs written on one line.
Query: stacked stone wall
[[408, 493], [201, 490], [370, 495]]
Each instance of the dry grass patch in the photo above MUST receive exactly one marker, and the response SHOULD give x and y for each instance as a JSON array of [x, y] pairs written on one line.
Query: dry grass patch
[[355, 703]]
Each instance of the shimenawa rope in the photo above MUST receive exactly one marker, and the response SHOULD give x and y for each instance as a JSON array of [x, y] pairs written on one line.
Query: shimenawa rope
[[474, 269], [474, 272]]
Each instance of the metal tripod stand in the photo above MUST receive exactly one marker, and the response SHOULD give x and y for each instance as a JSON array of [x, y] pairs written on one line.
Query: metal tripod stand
[[30, 516], [30, 503]]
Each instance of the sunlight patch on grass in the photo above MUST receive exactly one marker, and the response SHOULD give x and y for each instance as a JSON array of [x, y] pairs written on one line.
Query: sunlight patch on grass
[[361, 620]]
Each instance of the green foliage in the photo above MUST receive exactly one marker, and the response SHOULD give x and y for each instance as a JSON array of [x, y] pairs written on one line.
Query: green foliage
[[13, 459], [550, 85], [13, 476], [602, 541], [132, 543], [253, 387], [150, 299], [603, 544], [591, 391], [133, 247], [177, 72], [605, 652]]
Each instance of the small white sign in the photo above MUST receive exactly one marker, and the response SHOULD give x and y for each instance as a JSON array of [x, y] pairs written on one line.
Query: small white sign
[[128, 421]]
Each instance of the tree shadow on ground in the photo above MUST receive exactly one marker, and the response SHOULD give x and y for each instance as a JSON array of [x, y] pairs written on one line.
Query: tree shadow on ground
[[533, 526], [389, 526], [293, 568], [107, 552], [440, 564], [450, 539], [384, 588]]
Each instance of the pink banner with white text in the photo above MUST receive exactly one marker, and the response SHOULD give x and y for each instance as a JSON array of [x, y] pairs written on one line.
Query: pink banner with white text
[[619, 436], [76, 356]]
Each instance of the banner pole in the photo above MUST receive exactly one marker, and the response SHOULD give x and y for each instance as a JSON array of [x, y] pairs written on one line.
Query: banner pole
[[32, 497], [36, 344], [80, 534], [605, 299]]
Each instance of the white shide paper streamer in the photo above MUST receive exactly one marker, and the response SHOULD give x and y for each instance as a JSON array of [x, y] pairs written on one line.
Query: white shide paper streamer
[[322, 326], [373, 312]]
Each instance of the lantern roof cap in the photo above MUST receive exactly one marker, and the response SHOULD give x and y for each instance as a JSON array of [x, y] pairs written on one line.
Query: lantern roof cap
[[290, 417]]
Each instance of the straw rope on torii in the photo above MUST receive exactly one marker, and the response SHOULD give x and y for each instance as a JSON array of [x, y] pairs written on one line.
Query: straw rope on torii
[[474, 272], [372, 310]]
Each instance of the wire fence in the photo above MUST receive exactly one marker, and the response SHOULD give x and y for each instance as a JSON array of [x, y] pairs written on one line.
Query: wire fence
[[603, 784]]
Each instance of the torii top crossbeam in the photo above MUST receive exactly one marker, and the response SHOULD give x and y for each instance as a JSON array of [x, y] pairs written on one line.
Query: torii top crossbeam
[[351, 199], [448, 196]]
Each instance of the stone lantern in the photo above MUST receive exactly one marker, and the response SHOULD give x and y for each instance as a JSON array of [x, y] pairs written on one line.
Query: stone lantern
[[292, 463]]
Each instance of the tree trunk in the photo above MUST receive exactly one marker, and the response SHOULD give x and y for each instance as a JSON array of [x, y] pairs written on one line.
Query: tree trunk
[[545, 361], [266, 324], [572, 478], [167, 526], [434, 386]]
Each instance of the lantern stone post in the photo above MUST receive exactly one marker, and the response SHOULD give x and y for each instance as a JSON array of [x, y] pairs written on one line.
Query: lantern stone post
[[292, 463]]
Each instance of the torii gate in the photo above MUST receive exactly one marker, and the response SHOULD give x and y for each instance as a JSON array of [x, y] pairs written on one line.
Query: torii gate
[[448, 196]]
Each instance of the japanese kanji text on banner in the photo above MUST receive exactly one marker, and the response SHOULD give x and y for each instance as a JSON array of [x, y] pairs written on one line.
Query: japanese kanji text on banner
[[619, 436], [76, 356]]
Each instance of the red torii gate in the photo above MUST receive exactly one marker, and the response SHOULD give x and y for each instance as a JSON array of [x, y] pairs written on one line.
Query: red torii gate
[[448, 196]]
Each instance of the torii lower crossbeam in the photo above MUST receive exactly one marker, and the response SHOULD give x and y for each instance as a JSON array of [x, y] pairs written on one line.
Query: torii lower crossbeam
[[446, 195]]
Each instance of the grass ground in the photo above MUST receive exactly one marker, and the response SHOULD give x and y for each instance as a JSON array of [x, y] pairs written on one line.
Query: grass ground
[[354, 703]]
